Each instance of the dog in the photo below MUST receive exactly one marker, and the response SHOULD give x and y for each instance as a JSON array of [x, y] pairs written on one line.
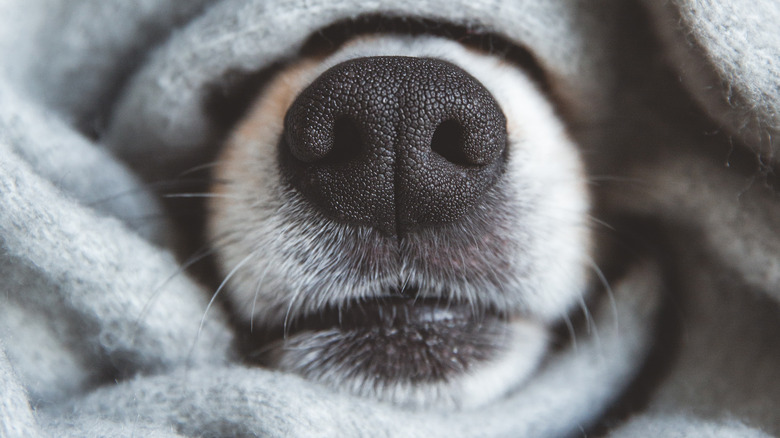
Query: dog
[[403, 219]]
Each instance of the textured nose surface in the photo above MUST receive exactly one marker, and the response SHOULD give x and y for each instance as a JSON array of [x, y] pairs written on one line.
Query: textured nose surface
[[394, 142]]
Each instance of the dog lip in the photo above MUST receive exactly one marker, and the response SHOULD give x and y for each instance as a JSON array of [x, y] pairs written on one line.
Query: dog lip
[[383, 312], [387, 340], [437, 338]]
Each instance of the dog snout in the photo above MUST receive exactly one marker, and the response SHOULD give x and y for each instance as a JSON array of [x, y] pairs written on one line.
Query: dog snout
[[394, 142]]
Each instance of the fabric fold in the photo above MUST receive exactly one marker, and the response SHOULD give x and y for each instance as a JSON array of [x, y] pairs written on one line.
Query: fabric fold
[[103, 333], [118, 297], [16, 416], [163, 107], [570, 391], [728, 56]]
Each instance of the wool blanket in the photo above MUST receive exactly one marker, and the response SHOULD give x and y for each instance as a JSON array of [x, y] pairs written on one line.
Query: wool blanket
[[104, 331]]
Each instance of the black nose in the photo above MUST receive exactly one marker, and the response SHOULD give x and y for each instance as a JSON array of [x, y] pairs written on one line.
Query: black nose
[[394, 142]]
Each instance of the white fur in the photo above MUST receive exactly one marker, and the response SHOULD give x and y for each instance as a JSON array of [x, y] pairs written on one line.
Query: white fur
[[286, 260]]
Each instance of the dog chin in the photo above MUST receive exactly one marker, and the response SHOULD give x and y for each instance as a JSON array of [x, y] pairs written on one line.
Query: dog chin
[[440, 315]]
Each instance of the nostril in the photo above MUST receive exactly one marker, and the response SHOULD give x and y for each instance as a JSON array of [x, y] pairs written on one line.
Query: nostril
[[326, 143], [347, 144], [393, 142], [448, 142]]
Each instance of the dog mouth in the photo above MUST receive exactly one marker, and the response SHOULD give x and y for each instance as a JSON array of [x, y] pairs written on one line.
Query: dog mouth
[[401, 338], [320, 229]]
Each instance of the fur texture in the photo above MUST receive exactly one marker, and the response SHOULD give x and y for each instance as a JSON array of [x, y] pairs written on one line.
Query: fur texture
[[522, 253], [673, 106]]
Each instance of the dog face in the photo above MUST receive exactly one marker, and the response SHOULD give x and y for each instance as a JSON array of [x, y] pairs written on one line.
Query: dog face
[[402, 219]]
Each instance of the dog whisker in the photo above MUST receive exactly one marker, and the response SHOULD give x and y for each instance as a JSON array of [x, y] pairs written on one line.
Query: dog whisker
[[200, 254], [153, 187], [199, 167], [286, 322], [594, 220], [214, 297], [570, 329], [608, 289], [260, 281], [202, 195], [464, 280], [615, 178], [257, 294], [590, 323], [143, 219]]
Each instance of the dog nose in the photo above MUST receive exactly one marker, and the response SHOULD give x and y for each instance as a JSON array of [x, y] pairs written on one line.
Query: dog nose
[[394, 142]]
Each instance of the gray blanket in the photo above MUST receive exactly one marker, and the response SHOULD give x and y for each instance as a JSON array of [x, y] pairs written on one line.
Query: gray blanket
[[103, 333]]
